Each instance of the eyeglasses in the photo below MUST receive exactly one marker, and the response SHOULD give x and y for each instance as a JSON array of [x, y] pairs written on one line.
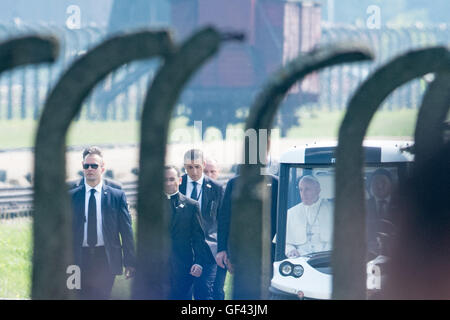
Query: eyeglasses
[[92, 165]]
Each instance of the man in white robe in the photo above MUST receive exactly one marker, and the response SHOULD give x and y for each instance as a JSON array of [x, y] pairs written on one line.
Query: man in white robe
[[309, 223]]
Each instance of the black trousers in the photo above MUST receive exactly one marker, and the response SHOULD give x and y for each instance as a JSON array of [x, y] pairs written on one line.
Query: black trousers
[[219, 282], [96, 278], [203, 286], [181, 287]]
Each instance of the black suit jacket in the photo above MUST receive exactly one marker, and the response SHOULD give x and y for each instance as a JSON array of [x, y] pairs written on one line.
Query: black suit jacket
[[188, 240], [223, 219], [212, 194], [376, 224], [116, 220]]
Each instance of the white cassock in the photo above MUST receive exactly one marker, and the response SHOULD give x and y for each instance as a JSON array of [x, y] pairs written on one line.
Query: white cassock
[[309, 228]]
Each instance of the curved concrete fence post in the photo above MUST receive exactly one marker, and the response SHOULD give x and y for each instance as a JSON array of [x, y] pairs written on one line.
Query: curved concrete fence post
[[27, 50], [52, 221], [152, 277], [421, 259], [429, 132], [349, 253], [250, 221]]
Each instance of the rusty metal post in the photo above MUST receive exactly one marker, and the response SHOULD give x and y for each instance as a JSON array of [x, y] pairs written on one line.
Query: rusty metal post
[[52, 221], [152, 281], [250, 220], [349, 254]]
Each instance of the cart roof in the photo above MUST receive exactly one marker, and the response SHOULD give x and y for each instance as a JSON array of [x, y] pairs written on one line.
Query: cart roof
[[381, 151]]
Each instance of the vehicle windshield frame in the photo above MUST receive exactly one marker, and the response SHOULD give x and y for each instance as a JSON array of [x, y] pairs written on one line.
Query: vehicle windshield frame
[[284, 190]]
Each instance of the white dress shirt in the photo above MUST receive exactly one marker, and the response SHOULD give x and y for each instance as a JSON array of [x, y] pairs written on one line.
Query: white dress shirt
[[190, 187], [98, 200]]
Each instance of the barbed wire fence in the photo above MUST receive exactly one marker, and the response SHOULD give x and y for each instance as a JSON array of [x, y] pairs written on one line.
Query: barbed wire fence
[[119, 97]]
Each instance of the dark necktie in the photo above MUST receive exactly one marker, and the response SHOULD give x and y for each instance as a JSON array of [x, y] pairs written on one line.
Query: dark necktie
[[194, 194], [92, 221]]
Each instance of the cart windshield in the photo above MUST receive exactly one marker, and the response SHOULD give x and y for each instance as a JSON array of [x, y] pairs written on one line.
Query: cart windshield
[[309, 207]]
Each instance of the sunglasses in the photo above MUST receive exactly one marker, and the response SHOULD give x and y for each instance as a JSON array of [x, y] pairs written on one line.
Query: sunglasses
[[92, 165]]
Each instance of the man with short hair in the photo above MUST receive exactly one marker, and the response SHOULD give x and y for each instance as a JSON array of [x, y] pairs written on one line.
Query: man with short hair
[[103, 237], [224, 220], [380, 189], [310, 223], [208, 193], [109, 182], [78, 182], [211, 169], [380, 207], [190, 255]]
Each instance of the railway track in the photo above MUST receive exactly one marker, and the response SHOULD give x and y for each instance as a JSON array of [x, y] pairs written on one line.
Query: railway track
[[17, 202]]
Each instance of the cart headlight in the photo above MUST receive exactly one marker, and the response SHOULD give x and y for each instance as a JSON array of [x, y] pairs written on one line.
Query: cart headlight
[[297, 271], [288, 269]]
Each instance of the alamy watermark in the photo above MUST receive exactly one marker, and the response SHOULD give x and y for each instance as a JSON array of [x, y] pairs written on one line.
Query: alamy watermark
[[374, 17], [231, 149], [74, 280], [73, 20]]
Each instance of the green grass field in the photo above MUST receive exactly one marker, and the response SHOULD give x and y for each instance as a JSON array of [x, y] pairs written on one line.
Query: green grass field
[[15, 236], [21, 133], [15, 258], [15, 263], [317, 124], [326, 124]]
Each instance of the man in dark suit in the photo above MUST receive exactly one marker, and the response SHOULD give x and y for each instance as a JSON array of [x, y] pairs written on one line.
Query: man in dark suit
[[380, 208], [72, 184], [108, 182], [190, 254], [212, 168], [223, 226], [224, 217], [100, 220], [208, 193]]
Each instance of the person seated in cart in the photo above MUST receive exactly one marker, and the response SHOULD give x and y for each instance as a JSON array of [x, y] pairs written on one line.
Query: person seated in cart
[[309, 223]]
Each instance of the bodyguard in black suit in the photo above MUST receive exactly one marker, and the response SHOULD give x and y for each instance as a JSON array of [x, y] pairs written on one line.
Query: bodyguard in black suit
[[224, 218], [208, 193], [381, 208], [211, 193], [72, 184], [100, 221], [190, 255]]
